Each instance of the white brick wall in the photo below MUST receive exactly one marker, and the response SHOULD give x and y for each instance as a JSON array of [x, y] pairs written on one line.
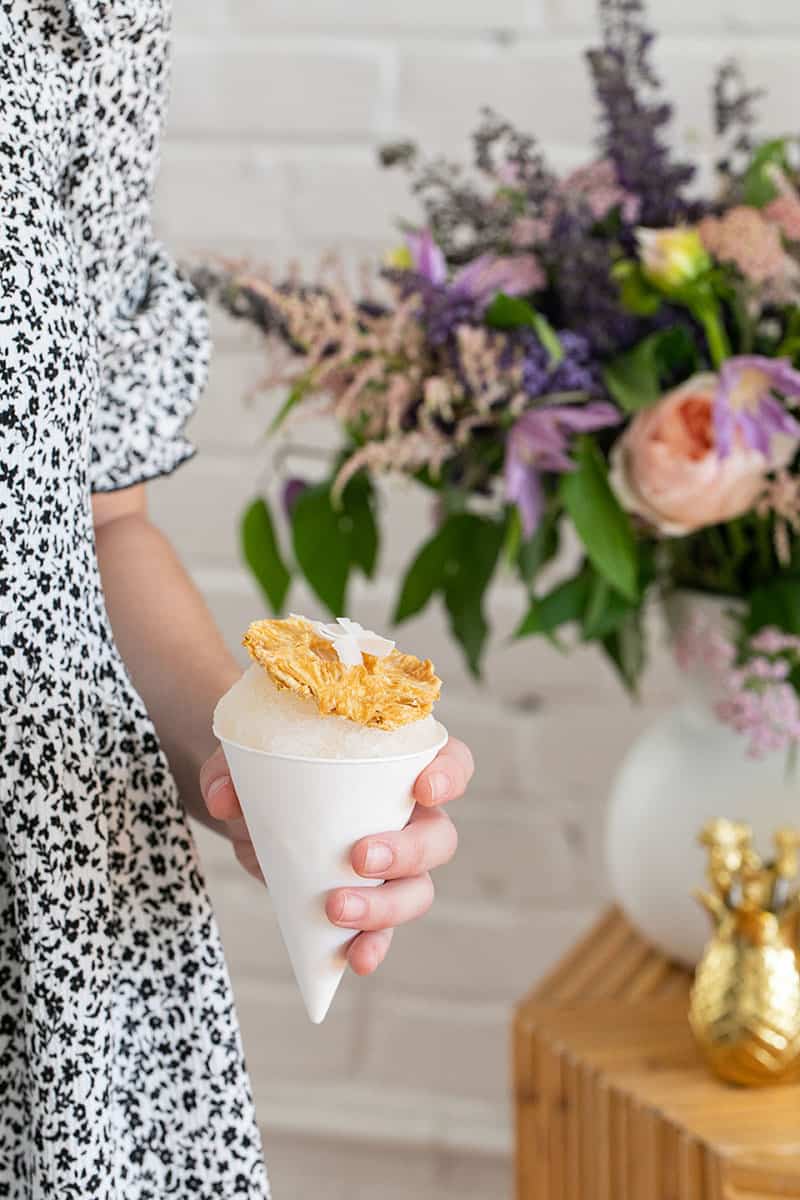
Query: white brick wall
[[277, 110]]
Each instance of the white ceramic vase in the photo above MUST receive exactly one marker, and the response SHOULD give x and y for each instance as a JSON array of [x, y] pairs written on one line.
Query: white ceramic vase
[[683, 771]]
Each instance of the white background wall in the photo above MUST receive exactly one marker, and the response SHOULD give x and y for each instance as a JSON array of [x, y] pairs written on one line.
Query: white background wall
[[278, 106]]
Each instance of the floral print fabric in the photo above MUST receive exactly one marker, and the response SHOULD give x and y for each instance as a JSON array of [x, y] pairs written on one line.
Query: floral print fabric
[[121, 1068]]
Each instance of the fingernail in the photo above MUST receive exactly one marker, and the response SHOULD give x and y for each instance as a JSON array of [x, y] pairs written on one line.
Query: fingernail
[[439, 785], [378, 858], [353, 908], [217, 785]]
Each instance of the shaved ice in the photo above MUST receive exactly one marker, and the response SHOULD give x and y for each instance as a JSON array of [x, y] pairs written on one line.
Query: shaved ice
[[257, 714]]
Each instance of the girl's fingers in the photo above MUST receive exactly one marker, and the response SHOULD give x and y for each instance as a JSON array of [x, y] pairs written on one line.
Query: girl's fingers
[[381, 907], [368, 950], [217, 789], [247, 858], [447, 776], [428, 841]]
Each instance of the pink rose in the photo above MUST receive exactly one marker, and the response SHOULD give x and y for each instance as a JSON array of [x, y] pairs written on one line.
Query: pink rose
[[665, 467]]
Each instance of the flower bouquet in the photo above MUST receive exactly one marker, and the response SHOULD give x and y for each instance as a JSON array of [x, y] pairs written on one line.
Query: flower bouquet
[[611, 351]]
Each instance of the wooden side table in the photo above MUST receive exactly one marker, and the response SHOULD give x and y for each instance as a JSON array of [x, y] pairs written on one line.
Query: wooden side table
[[612, 1101]]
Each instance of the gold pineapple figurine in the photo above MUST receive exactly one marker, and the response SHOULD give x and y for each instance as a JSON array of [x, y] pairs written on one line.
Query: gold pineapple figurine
[[745, 1003]]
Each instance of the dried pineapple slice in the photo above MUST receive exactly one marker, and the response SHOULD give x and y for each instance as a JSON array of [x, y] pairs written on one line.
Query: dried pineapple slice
[[383, 693]]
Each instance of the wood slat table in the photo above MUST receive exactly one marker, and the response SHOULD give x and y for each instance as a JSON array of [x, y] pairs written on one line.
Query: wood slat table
[[612, 1101]]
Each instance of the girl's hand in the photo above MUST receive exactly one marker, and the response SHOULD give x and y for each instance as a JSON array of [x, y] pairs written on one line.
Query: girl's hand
[[403, 859]]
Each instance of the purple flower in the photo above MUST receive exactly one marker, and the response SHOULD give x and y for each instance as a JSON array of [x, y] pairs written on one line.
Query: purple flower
[[539, 442], [293, 489], [481, 279], [745, 403], [428, 260], [488, 275]]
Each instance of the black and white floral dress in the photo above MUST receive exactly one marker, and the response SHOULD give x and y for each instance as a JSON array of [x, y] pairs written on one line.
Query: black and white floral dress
[[121, 1070]]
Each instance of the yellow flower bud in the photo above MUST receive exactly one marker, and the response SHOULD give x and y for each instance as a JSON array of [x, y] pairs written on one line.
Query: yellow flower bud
[[400, 259], [671, 258]]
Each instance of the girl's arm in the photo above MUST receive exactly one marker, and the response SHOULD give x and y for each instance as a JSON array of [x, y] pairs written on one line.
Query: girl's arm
[[166, 635], [180, 666]]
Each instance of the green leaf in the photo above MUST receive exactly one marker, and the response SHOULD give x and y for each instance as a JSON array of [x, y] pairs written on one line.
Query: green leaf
[[603, 527], [321, 536], [540, 549], [297, 394], [509, 312], [637, 295], [262, 555], [357, 506], [758, 189], [627, 651], [424, 577], [466, 580], [637, 378], [776, 603], [606, 610], [562, 605], [458, 562]]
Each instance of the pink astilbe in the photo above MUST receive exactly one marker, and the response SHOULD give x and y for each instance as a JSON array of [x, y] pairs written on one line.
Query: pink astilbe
[[403, 453], [756, 697], [370, 365], [744, 237], [701, 644], [489, 377], [784, 212], [781, 498], [762, 705], [594, 186], [598, 186]]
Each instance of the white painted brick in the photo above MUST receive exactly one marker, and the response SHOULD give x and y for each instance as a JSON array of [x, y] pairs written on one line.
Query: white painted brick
[[479, 953], [480, 1176], [772, 15], [247, 924], [200, 505], [235, 411], [663, 14], [219, 193], [392, 1116], [461, 1050], [337, 193], [772, 65], [304, 1167], [511, 857], [229, 333], [281, 1043], [359, 16], [441, 94], [278, 91], [688, 69], [346, 1169]]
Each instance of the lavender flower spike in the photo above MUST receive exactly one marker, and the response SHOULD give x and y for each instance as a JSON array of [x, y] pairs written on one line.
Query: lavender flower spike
[[539, 442], [427, 258], [746, 405]]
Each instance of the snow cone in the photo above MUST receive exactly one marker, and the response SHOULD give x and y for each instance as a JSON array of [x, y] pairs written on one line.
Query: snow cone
[[324, 737]]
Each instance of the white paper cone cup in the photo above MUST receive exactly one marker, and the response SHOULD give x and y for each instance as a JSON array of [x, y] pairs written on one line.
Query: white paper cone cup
[[304, 816]]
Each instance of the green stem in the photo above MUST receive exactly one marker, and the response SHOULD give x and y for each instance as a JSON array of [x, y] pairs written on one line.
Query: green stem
[[738, 538], [746, 329], [708, 314], [765, 547], [513, 536], [726, 576]]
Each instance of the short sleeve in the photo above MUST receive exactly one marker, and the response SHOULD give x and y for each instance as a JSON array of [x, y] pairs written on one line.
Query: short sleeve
[[153, 366]]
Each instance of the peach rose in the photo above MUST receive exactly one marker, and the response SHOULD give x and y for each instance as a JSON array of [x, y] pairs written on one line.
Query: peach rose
[[665, 467]]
